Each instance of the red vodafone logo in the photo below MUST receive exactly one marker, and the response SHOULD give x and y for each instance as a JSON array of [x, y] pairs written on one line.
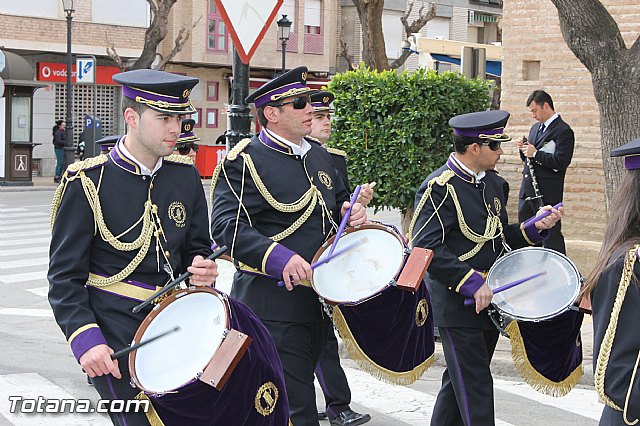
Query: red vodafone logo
[[57, 72]]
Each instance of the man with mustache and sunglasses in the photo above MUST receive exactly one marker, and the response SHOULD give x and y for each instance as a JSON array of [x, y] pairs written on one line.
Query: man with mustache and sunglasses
[[186, 143], [276, 199], [460, 214]]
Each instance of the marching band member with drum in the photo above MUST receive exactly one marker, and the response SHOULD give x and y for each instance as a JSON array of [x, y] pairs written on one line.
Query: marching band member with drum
[[330, 374], [124, 223], [615, 300], [276, 199], [461, 215]]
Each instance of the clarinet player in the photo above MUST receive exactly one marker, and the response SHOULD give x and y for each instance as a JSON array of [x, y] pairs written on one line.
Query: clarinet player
[[546, 155]]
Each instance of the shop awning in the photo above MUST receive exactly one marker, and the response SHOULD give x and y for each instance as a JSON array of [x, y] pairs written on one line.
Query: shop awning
[[493, 67]]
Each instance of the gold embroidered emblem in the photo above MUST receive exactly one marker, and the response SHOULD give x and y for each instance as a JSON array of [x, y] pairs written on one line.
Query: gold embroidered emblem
[[186, 93], [304, 77], [325, 100], [325, 179], [178, 213], [187, 127], [422, 312], [498, 205], [266, 399]]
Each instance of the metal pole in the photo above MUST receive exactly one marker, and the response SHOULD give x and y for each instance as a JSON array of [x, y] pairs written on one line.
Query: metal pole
[[239, 118], [284, 52], [68, 136]]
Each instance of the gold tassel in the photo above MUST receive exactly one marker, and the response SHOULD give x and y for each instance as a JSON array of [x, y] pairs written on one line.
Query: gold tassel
[[368, 365], [152, 414], [529, 374]]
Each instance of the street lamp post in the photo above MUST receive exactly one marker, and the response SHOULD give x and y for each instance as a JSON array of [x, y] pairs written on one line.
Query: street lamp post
[[68, 7], [284, 29]]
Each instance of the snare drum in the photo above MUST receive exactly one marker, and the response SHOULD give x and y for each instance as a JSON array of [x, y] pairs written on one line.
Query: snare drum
[[545, 336], [541, 298], [194, 375], [364, 271]]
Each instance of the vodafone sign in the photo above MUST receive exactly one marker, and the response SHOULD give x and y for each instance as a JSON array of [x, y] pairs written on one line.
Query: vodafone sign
[[56, 72]]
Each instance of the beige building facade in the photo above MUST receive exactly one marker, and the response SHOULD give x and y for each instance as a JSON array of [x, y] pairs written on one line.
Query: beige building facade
[[37, 32]]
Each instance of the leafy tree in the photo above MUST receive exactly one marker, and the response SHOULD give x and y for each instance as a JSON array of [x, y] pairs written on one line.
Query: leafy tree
[[154, 35], [395, 127], [594, 38]]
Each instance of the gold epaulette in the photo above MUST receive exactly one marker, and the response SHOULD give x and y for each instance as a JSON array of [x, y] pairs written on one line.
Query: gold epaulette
[[88, 164], [178, 159], [440, 180], [313, 140], [337, 151], [233, 154]]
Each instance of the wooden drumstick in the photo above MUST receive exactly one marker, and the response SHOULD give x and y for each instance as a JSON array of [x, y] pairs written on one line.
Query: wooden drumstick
[[125, 351], [471, 301]]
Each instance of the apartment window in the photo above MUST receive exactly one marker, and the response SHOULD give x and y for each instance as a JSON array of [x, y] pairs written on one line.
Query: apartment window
[[212, 90], [217, 31], [212, 117], [197, 117], [289, 8], [313, 38]]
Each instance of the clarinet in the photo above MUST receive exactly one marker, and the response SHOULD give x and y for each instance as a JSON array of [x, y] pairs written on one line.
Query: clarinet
[[536, 200]]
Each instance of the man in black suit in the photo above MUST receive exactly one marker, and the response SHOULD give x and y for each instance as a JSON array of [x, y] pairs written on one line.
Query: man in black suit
[[548, 149]]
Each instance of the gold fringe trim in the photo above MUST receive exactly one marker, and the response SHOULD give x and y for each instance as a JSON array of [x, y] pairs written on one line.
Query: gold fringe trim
[[368, 365], [337, 152], [529, 374], [152, 414]]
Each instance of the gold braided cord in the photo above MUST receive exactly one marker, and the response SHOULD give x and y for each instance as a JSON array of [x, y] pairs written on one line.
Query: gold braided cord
[[296, 206], [214, 180], [610, 333], [440, 180], [493, 227], [299, 222]]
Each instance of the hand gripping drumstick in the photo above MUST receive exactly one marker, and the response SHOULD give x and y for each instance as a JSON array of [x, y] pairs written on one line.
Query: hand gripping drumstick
[[347, 214], [542, 215], [470, 301], [341, 251], [167, 288], [125, 351]]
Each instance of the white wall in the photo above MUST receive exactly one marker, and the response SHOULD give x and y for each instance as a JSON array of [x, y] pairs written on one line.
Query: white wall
[[133, 13], [37, 8]]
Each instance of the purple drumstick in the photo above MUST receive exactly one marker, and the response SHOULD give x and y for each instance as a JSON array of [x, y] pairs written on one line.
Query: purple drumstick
[[542, 215], [470, 301], [354, 197]]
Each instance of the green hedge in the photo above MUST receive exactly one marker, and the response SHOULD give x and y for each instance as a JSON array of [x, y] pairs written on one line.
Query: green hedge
[[395, 126]]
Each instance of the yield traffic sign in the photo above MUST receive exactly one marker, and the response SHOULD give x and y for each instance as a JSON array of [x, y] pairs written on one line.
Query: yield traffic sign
[[248, 21]]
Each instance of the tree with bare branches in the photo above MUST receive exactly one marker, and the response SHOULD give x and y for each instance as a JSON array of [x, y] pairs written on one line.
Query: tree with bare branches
[[154, 35], [374, 54], [595, 39]]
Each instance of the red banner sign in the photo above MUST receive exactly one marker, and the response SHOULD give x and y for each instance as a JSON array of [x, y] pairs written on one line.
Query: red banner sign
[[56, 72]]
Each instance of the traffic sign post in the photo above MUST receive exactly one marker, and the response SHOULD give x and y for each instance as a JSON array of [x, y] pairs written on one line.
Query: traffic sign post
[[86, 73]]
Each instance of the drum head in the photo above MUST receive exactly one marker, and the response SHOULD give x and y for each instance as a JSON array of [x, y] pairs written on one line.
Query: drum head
[[175, 360], [363, 271], [540, 298], [226, 270]]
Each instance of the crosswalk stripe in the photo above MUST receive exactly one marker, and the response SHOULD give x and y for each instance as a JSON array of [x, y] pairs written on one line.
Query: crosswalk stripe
[[27, 312], [42, 248], [39, 291], [24, 219], [22, 263], [579, 401], [23, 277], [20, 215], [23, 241], [13, 209], [407, 405], [10, 228], [24, 234], [31, 386]]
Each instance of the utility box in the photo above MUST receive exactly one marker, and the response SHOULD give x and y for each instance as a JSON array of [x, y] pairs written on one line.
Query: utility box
[[91, 132]]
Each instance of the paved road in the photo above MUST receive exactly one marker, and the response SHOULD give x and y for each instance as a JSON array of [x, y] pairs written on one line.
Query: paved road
[[36, 361]]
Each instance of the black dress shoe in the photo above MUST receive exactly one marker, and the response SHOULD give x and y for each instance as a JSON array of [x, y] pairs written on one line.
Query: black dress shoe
[[350, 418]]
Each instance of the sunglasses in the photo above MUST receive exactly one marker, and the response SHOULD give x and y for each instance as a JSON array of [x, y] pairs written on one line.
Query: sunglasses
[[298, 103], [493, 145], [185, 148]]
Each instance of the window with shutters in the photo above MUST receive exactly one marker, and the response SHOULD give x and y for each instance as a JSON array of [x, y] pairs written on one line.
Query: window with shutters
[[289, 8], [216, 29], [313, 34]]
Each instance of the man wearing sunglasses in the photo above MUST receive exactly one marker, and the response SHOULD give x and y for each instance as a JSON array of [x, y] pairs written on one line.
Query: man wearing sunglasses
[[276, 199], [186, 143], [460, 214]]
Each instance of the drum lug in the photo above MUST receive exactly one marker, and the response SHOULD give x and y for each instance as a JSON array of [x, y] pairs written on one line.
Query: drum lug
[[199, 374], [393, 283]]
